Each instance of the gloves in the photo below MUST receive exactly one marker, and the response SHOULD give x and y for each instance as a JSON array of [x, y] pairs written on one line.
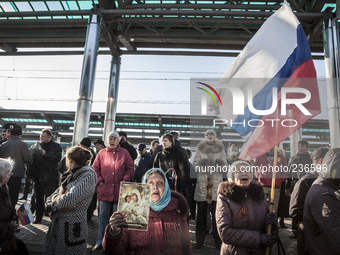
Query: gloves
[[267, 240], [271, 218]]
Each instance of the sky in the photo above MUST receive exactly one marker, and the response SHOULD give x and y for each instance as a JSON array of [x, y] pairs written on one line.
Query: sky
[[148, 84]]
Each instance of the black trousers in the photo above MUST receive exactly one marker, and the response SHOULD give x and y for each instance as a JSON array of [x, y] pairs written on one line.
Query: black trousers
[[201, 224], [301, 243], [92, 207], [27, 188], [43, 189], [14, 185]]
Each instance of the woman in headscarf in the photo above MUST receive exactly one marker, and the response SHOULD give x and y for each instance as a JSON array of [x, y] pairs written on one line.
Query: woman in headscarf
[[68, 205], [242, 213], [168, 230]]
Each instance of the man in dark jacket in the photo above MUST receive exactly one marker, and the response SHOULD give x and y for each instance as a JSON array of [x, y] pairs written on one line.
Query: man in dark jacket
[[154, 144], [19, 152], [45, 170], [142, 163], [126, 145], [299, 193], [321, 214], [298, 165]]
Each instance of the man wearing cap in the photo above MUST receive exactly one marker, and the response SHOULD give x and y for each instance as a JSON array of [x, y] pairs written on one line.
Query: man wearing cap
[[126, 145], [298, 196], [141, 163], [19, 152], [45, 170], [7, 129], [99, 145]]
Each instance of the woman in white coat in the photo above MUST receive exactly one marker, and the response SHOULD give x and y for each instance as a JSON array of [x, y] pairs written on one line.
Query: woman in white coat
[[210, 153]]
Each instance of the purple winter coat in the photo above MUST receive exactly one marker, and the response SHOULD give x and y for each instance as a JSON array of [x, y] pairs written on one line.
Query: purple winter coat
[[112, 168], [240, 218]]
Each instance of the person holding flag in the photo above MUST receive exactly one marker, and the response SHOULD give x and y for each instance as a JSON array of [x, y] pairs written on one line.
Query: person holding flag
[[276, 72], [242, 213], [9, 243]]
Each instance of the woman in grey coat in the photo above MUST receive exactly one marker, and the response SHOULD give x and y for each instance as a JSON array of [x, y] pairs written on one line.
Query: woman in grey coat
[[68, 205]]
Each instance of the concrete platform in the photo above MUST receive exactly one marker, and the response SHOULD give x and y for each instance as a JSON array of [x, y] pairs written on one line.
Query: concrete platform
[[34, 237]]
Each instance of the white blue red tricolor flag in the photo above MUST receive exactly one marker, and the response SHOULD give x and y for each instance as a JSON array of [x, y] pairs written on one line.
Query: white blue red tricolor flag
[[277, 60], [25, 215]]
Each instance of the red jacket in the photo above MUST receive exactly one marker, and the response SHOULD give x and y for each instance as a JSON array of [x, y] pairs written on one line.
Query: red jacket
[[112, 168], [168, 233], [265, 177]]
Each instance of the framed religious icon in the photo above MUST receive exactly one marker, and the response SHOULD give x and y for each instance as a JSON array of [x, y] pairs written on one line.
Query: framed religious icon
[[134, 203]]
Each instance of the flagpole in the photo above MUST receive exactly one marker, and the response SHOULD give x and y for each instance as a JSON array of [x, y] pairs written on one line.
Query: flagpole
[[272, 195]]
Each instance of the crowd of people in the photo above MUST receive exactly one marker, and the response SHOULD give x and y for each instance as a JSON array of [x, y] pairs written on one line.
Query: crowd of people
[[233, 204]]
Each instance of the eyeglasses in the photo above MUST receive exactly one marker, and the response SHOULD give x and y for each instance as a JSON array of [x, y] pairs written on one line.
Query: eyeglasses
[[209, 134], [3, 134]]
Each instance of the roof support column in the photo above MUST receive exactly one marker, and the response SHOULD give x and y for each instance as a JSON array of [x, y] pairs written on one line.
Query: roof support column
[[331, 62], [84, 106], [111, 105]]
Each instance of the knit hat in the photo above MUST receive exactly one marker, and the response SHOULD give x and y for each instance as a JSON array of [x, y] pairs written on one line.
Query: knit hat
[[100, 141], [113, 134], [86, 142]]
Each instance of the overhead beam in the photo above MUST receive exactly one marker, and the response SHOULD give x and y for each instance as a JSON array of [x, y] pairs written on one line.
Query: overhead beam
[[315, 31], [204, 6], [109, 38], [295, 5], [126, 43], [120, 12]]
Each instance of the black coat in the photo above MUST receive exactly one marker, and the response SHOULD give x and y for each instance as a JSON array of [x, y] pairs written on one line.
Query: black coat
[[128, 146], [321, 214], [6, 216], [298, 196], [45, 167], [172, 158], [141, 167], [293, 167]]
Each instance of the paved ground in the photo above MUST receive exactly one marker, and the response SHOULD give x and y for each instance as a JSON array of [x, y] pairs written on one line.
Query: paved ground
[[34, 236]]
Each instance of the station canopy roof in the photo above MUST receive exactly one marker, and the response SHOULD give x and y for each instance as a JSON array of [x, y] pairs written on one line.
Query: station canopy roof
[[162, 27]]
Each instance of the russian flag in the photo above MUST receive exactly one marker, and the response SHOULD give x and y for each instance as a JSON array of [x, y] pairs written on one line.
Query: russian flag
[[277, 58], [25, 215]]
